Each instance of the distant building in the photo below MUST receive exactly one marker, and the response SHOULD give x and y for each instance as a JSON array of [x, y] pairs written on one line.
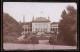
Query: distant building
[[54, 27], [27, 27], [40, 25]]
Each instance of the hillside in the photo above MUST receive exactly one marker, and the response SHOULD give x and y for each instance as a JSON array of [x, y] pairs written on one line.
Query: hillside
[[11, 28]]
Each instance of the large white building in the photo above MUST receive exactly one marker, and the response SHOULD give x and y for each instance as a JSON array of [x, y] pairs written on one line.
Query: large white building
[[40, 25]]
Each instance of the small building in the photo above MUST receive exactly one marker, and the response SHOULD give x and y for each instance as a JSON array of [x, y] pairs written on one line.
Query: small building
[[27, 27], [54, 27]]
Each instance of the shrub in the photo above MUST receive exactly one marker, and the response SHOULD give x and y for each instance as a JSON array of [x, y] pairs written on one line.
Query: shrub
[[34, 40], [52, 40]]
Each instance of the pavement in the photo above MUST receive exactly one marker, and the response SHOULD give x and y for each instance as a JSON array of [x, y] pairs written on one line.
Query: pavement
[[43, 45]]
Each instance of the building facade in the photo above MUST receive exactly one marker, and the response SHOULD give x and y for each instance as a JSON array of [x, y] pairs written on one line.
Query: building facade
[[54, 27], [27, 27], [40, 25]]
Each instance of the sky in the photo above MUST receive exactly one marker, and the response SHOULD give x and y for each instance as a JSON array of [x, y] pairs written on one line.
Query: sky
[[53, 10]]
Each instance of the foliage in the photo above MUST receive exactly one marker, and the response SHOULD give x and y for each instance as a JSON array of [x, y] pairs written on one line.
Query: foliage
[[52, 40], [11, 27], [68, 26], [34, 40]]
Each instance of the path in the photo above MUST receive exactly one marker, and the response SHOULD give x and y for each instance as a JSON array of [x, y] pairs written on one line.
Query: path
[[43, 45], [46, 42]]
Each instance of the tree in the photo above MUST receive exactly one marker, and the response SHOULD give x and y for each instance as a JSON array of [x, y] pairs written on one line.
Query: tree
[[68, 26], [11, 28]]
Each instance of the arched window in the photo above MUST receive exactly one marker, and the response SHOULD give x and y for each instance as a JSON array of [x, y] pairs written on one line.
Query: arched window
[[51, 29], [30, 29], [56, 29], [25, 29]]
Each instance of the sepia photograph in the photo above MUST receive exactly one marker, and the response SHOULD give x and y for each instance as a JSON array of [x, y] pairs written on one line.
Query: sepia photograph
[[39, 26]]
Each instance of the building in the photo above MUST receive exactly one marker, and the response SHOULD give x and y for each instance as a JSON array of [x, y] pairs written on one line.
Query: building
[[27, 27], [54, 27], [40, 25]]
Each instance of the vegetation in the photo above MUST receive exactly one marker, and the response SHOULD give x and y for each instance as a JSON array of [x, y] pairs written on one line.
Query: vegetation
[[34, 40], [52, 40], [68, 26], [11, 28]]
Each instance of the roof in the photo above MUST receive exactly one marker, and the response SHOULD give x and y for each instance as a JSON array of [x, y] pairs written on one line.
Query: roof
[[55, 23], [41, 19], [27, 23]]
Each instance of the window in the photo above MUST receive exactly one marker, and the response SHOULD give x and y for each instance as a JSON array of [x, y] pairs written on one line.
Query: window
[[25, 29], [51, 29], [56, 29], [35, 24]]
